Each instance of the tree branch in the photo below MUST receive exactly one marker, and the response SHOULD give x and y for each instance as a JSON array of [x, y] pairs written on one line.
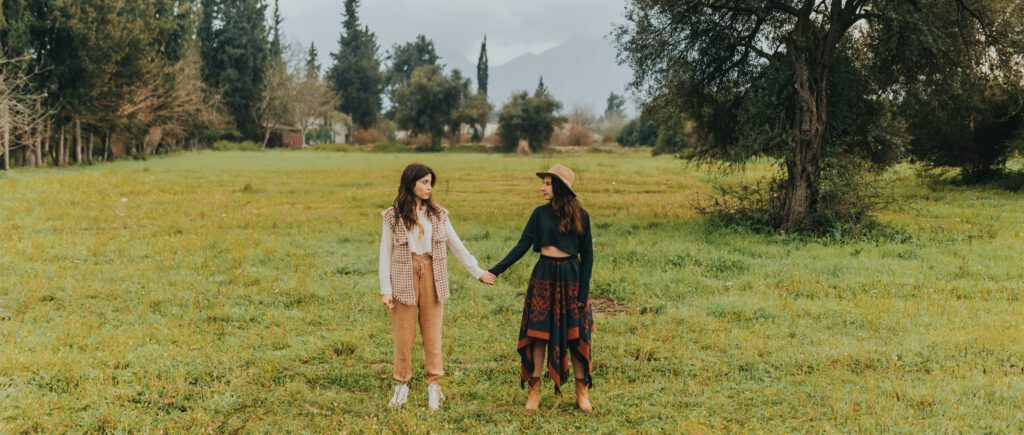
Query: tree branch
[[783, 7]]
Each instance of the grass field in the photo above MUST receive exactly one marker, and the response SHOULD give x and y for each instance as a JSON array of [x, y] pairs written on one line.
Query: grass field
[[224, 291]]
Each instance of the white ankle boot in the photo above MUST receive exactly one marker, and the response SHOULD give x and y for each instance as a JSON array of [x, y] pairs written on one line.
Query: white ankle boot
[[434, 397], [400, 396]]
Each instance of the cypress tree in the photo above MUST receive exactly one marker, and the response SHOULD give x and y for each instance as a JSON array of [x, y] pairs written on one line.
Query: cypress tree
[[236, 56], [312, 64], [481, 68], [355, 74]]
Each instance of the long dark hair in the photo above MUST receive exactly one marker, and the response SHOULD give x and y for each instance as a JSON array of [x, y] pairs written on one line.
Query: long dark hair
[[405, 201], [567, 208]]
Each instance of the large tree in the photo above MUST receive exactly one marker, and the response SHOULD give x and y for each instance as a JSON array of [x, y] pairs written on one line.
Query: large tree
[[803, 81], [426, 104], [967, 110], [532, 118], [236, 55], [404, 59], [355, 74]]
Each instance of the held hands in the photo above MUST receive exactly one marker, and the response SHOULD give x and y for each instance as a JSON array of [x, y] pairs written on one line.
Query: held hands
[[488, 278], [388, 301]]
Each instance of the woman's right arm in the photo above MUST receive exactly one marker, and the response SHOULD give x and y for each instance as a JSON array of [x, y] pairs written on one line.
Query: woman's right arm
[[385, 264], [517, 252]]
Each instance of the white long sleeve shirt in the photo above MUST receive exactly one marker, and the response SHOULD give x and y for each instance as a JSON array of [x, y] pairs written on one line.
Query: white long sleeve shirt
[[420, 243]]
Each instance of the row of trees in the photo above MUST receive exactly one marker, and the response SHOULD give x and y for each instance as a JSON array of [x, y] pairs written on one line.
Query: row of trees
[[96, 79], [833, 89], [101, 79], [425, 101]]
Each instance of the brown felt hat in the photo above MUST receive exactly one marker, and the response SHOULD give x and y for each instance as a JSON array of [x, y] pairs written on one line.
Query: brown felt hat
[[562, 173]]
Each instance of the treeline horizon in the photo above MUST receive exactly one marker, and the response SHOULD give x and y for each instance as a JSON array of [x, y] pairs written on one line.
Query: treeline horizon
[[98, 80]]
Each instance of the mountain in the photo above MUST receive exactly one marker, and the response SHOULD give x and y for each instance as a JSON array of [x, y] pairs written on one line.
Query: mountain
[[579, 72]]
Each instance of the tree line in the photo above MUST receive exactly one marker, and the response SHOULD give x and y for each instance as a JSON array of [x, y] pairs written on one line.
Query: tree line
[[95, 80]]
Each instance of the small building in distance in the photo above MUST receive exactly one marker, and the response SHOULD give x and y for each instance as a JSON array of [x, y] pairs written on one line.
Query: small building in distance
[[284, 136]]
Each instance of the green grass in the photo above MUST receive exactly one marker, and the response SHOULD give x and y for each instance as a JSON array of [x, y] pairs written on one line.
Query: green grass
[[233, 290]]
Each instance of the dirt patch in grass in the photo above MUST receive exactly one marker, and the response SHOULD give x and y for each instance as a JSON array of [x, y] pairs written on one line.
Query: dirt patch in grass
[[607, 307]]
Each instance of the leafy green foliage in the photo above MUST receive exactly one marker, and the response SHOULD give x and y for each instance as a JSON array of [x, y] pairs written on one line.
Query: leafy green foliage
[[482, 69], [532, 118], [803, 82], [616, 106], [475, 110], [642, 131], [427, 103], [975, 127], [964, 109], [355, 74], [404, 59], [236, 58], [312, 67], [672, 138]]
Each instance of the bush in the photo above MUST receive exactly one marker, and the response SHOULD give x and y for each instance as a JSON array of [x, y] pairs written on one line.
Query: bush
[[974, 125], [642, 131], [851, 195], [671, 139], [530, 118], [368, 136], [575, 135]]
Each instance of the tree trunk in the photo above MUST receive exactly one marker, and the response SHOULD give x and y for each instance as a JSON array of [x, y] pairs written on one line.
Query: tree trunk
[[266, 137], [88, 155], [5, 119], [47, 131], [803, 165], [39, 148], [61, 161], [78, 141], [106, 148]]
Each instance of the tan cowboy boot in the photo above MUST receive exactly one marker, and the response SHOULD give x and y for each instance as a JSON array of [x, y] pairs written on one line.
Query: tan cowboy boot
[[583, 396], [533, 393]]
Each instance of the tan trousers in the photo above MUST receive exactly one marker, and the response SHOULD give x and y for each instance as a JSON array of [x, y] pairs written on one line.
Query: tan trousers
[[429, 313]]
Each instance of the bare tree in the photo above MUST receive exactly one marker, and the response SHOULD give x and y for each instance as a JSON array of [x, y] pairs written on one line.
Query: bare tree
[[169, 112], [21, 114]]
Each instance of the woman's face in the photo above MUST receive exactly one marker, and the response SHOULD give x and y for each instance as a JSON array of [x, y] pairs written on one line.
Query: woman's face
[[545, 188], [423, 187]]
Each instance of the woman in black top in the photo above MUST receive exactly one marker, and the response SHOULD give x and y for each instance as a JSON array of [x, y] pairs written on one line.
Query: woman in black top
[[556, 313]]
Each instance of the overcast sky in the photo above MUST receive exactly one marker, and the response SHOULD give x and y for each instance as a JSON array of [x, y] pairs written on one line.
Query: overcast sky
[[513, 27]]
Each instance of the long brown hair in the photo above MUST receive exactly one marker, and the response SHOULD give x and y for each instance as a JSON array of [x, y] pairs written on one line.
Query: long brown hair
[[567, 208], [405, 201]]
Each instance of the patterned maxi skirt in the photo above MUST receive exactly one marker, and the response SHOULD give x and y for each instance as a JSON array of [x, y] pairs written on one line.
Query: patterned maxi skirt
[[554, 314]]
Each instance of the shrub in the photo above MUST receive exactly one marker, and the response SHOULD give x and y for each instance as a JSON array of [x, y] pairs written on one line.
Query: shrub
[[368, 136], [851, 195], [574, 135]]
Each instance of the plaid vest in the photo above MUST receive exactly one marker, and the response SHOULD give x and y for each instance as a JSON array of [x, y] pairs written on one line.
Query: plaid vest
[[401, 257]]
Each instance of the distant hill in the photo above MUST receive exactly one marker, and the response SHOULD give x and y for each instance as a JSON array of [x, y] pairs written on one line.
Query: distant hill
[[578, 72]]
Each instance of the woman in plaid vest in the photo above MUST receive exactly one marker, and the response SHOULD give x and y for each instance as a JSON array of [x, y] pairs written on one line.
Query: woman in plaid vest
[[414, 277]]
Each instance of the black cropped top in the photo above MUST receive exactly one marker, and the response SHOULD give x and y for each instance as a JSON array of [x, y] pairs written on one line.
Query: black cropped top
[[542, 230]]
